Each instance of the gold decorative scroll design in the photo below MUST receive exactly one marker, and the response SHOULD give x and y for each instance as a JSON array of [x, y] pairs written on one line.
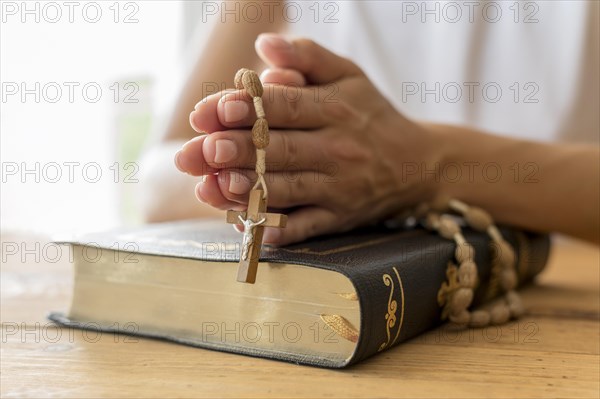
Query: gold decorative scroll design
[[447, 289], [392, 308]]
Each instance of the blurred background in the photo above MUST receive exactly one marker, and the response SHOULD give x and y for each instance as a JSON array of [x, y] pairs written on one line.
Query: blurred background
[[87, 86], [84, 88]]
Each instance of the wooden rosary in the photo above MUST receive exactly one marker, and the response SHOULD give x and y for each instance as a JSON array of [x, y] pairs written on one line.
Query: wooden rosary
[[256, 218], [455, 295]]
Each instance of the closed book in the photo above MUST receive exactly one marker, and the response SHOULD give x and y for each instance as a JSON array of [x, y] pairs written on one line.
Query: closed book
[[331, 301]]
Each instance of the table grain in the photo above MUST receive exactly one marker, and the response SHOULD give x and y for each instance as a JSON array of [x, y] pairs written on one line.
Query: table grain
[[552, 352]]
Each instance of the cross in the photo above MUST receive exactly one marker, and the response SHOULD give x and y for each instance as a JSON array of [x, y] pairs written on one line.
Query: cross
[[255, 219]]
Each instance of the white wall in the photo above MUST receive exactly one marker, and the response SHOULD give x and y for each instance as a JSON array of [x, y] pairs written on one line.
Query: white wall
[[46, 134]]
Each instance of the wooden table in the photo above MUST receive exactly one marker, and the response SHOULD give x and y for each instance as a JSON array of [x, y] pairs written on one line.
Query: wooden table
[[553, 352]]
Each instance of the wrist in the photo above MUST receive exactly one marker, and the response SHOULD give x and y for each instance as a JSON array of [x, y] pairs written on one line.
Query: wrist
[[435, 151]]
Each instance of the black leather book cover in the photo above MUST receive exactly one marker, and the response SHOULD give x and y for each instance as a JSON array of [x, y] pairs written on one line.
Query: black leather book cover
[[396, 272]]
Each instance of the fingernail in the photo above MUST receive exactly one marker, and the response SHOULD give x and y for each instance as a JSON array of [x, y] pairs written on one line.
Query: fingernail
[[275, 40], [177, 163], [238, 183], [225, 151], [235, 111]]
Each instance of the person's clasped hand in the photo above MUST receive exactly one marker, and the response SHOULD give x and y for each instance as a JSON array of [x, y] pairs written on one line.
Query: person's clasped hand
[[336, 152]]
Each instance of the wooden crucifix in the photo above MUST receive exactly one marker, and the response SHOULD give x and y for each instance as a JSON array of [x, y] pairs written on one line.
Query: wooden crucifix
[[255, 219]]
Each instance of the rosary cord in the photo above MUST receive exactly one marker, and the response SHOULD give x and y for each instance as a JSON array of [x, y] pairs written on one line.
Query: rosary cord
[[249, 80]]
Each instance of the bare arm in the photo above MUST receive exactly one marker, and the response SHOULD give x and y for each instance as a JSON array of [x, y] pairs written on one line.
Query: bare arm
[[538, 186], [230, 47], [167, 193]]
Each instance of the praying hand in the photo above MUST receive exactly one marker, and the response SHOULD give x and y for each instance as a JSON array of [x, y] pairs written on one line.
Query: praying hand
[[342, 156]]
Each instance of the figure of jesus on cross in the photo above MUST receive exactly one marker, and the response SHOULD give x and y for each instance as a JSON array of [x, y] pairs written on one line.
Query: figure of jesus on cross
[[249, 226]]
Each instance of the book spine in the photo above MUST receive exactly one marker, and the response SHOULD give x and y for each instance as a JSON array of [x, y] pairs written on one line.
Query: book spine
[[398, 299]]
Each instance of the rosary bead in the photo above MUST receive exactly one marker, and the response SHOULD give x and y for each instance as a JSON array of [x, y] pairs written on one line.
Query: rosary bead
[[260, 133], [252, 84], [515, 304], [467, 274], [464, 252], [479, 318], [238, 78], [516, 310], [462, 317], [432, 221], [458, 206], [512, 296], [478, 219], [461, 299], [448, 227], [499, 314]]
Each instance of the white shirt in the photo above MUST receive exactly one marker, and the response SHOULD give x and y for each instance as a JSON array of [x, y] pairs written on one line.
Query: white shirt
[[524, 69]]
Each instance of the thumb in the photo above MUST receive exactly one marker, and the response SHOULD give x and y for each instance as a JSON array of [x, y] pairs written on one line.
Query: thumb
[[316, 63]]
